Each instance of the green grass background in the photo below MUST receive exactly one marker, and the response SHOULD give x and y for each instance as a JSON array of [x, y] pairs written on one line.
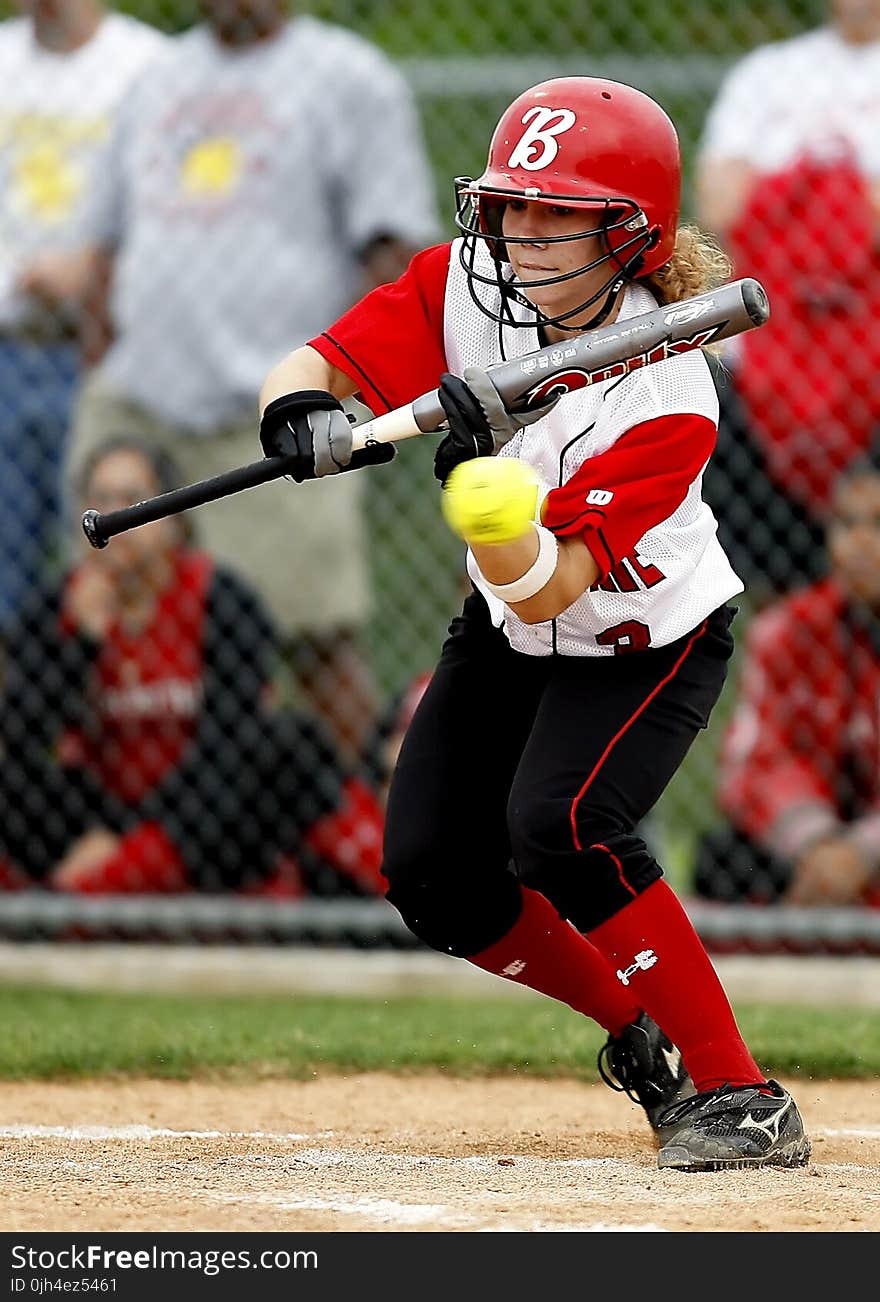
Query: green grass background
[[406, 27], [64, 1035]]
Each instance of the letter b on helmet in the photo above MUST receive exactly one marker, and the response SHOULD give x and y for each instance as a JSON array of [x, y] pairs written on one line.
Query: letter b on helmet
[[537, 146]]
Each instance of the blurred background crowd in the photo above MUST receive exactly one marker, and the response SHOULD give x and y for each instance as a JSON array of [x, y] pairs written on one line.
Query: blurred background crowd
[[191, 188]]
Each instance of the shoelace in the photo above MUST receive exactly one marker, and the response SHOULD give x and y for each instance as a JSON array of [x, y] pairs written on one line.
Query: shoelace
[[605, 1056], [681, 1109], [621, 1084]]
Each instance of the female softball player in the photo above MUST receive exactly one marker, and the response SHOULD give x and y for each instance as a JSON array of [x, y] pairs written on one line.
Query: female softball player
[[595, 641]]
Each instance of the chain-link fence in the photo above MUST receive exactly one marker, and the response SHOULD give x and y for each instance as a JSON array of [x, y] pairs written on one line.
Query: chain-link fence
[[213, 702]]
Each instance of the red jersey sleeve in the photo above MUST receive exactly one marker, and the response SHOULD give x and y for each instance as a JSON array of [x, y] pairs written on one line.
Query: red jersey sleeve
[[614, 498], [391, 342]]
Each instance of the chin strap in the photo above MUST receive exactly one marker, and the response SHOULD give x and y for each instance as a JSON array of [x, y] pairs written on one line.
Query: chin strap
[[508, 293], [600, 316]]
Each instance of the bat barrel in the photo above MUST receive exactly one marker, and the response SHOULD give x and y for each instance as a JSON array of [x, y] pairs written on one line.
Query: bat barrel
[[612, 351]]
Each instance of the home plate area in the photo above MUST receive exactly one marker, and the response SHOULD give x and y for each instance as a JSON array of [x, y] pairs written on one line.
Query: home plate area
[[380, 1153]]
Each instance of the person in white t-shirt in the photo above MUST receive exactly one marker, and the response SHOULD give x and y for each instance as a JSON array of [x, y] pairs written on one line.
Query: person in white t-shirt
[[266, 172], [811, 94], [64, 67], [788, 177], [595, 641]]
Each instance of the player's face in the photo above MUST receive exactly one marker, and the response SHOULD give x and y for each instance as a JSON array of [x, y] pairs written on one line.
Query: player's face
[[120, 479], [539, 259], [854, 538]]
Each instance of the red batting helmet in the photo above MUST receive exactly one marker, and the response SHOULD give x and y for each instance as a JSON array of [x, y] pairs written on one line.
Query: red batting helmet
[[582, 142]]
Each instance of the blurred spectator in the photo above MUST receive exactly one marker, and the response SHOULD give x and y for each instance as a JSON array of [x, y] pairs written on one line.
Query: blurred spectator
[[399, 719], [64, 67], [789, 178], [141, 747], [266, 173], [800, 777], [343, 851]]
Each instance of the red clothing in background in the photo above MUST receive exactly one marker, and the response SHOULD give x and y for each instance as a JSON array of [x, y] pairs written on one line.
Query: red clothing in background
[[810, 377], [806, 730], [146, 688]]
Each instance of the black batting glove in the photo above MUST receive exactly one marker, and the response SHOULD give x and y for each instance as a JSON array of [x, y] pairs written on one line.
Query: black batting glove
[[311, 427], [479, 422], [469, 433]]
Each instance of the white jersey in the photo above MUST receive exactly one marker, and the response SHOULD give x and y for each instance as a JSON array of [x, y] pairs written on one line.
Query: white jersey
[[678, 571]]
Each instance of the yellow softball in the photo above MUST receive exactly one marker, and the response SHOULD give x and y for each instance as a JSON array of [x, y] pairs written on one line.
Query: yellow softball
[[490, 499]]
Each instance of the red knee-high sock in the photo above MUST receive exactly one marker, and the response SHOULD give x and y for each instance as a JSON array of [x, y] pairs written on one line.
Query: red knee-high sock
[[545, 952], [653, 943]]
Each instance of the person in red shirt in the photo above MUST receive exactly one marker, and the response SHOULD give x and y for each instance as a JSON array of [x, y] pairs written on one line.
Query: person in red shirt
[[800, 760], [142, 748], [594, 644], [788, 177], [808, 234]]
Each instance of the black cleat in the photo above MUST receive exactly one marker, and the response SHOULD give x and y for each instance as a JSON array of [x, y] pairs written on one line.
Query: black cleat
[[644, 1064], [731, 1128]]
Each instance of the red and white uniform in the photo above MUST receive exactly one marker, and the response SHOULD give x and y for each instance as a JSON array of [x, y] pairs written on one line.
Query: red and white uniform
[[623, 459]]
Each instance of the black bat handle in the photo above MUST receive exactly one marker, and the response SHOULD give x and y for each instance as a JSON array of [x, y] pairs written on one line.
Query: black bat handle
[[100, 528]]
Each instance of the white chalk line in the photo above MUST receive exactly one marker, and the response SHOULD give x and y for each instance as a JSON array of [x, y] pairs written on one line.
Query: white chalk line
[[866, 1132], [149, 1132], [130, 1132], [388, 1212]]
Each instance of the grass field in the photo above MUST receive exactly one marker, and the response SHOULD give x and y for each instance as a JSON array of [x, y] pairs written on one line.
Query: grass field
[[62, 1035], [147, 1113]]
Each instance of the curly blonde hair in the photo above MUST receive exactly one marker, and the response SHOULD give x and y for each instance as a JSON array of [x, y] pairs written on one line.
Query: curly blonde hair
[[697, 264]]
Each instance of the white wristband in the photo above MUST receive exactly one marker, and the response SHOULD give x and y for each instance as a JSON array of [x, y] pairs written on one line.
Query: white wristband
[[536, 577]]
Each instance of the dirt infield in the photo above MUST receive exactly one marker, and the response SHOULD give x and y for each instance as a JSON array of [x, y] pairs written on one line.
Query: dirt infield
[[390, 1153]]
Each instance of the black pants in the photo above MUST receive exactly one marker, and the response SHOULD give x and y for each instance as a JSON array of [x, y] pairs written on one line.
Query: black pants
[[537, 770]]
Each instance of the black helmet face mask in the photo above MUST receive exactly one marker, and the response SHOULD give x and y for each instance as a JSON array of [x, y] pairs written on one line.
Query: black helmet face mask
[[479, 218]]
